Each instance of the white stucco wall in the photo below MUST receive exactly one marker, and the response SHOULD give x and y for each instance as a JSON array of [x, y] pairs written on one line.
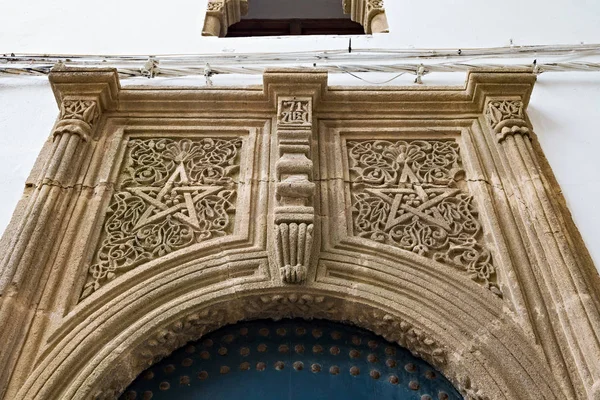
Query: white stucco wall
[[565, 107]]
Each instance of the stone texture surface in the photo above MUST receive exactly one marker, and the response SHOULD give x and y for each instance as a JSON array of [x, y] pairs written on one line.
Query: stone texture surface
[[426, 215]]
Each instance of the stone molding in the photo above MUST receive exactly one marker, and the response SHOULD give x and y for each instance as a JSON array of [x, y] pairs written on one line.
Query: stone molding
[[455, 172], [221, 14]]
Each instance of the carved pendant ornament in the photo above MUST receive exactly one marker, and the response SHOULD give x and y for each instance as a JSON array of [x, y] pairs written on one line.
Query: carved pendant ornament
[[294, 212], [406, 194], [173, 193]]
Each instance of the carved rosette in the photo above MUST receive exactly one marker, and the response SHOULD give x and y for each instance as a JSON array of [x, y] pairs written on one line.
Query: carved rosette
[[221, 14], [506, 117], [294, 211], [77, 117], [173, 193], [408, 194]]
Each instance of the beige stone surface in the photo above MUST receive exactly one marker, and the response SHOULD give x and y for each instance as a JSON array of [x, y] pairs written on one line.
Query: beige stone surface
[[427, 215]]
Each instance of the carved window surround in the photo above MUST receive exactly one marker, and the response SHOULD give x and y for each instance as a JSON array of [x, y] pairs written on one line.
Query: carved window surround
[[426, 215], [221, 14]]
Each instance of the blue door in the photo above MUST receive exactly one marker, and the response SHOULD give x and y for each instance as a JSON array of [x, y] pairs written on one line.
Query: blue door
[[291, 360]]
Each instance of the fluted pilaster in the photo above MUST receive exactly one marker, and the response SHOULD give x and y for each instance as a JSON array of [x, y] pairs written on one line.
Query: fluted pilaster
[[25, 261], [576, 316]]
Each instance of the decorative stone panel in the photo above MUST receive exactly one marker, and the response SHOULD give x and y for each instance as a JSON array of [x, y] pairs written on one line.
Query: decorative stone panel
[[406, 193], [172, 193], [430, 217]]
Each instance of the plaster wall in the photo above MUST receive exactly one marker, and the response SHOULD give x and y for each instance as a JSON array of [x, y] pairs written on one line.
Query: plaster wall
[[564, 106]]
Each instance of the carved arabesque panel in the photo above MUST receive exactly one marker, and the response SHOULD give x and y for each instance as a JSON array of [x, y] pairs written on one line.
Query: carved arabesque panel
[[405, 193], [173, 193]]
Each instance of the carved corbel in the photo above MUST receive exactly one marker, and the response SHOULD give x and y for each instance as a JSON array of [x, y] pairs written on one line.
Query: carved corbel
[[221, 14], [369, 13], [294, 211]]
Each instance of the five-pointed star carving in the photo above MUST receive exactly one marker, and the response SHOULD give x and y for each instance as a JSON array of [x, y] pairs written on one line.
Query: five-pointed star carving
[[159, 209], [394, 196]]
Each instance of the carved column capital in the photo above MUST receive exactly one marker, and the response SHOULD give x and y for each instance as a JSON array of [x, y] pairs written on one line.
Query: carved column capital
[[221, 14], [294, 211], [506, 117], [77, 117]]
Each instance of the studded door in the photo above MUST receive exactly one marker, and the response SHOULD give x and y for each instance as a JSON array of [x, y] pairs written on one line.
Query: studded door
[[293, 360]]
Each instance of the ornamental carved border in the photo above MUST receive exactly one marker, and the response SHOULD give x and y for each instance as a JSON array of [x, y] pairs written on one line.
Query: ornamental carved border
[[428, 216], [221, 14]]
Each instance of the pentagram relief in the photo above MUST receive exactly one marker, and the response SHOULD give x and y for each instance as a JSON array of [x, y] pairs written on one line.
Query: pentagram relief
[[406, 194], [173, 193]]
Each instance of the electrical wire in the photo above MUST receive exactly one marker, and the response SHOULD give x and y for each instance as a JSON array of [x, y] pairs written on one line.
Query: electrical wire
[[397, 61]]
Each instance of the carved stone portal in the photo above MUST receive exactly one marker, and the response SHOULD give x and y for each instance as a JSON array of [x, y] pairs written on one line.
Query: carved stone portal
[[427, 216]]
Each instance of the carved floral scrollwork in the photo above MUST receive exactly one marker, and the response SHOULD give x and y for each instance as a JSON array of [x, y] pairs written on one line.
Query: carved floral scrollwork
[[405, 194], [77, 117], [83, 110], [173, 193], [506, 117]]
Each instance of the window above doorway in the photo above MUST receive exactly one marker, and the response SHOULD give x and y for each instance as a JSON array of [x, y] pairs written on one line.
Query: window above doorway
[[238, 18]]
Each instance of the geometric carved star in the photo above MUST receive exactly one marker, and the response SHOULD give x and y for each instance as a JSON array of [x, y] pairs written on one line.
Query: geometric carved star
[[185, 211], [400, 212], [403, 210]]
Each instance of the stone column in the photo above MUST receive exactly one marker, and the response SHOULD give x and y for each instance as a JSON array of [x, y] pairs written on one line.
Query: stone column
[[25, 260], [294, 211], [577, 317]]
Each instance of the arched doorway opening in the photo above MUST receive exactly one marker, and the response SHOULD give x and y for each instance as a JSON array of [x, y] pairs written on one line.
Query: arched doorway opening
[[291, 359]]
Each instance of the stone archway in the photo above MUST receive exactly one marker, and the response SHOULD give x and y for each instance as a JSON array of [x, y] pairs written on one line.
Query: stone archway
[[106, 347], [155, 216]]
